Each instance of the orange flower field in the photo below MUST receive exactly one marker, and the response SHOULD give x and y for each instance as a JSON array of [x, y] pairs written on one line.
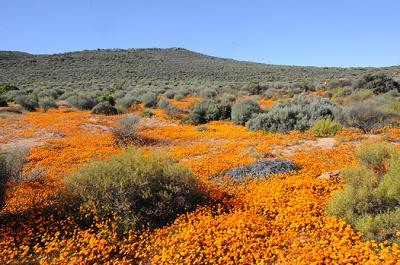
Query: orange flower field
[[280, 220]]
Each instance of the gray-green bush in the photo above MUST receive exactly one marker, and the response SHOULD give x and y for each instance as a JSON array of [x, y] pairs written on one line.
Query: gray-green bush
[[47, 103], [208, 110], [243, 110], [27, 102], [297, 114], [11, 163]]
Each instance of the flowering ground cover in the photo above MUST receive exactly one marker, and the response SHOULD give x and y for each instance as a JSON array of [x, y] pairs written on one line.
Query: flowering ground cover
[[280, 219]]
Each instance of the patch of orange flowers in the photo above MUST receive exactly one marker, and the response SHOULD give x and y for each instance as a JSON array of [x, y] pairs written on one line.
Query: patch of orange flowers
[[275, 220]]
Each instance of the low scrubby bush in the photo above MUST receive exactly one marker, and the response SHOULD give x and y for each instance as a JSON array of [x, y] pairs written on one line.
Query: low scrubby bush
[[149, 100], [47, 103], [208, 110], [370, 200], [82, 101], [297, 114], [243, 110], [11, 163], [141, 187], [27, 102], [126, 132], [325, 127], [365, 117], [104, 108]]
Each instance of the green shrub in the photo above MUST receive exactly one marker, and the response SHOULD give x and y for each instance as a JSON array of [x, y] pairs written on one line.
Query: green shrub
[[47, 103], [243, 110], [4, 88], [370, 200], [140, 187], [104, 108], [27, 102], [297, 114], [325, 127], [146, 113]]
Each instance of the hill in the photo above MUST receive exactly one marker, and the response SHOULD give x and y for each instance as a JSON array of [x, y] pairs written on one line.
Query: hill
[[98, 68]]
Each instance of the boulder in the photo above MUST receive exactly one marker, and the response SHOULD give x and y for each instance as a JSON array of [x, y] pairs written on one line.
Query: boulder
[[261, 168], [329, 175]]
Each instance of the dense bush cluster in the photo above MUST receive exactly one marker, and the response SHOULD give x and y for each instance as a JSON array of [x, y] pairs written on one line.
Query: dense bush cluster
[[243, 110], [209, 110], [142, 188], [379, 84], [104, 108], [370, 200], [297, 114]]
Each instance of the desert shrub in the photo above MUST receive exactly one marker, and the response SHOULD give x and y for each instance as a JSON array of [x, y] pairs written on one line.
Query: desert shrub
[[82, 101], [339, 83], [379, 84], [297, 114], [149, 100], [47, 103], [104, 108], [106, 97], [27, 102], [169, 94], [370, 200], [365, 117], [179, 96], [325, 127], [208, 110], [146, 113], [11, 163], [125, 103], [358, 96], [139, 186], [208, 93], [4, 88], [3, 103], [126, 131], [243, 110], [163, 104]]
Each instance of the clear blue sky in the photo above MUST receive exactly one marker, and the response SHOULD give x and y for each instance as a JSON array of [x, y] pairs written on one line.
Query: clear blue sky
[[293, 32]]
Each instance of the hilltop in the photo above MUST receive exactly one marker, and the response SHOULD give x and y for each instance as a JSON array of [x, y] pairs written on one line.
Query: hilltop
[[98, 68]]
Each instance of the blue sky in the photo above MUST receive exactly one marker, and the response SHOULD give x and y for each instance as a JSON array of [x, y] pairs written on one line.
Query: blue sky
[[295, 32]]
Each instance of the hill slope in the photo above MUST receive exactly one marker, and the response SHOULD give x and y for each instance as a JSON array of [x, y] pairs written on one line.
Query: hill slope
[[100, 67]]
